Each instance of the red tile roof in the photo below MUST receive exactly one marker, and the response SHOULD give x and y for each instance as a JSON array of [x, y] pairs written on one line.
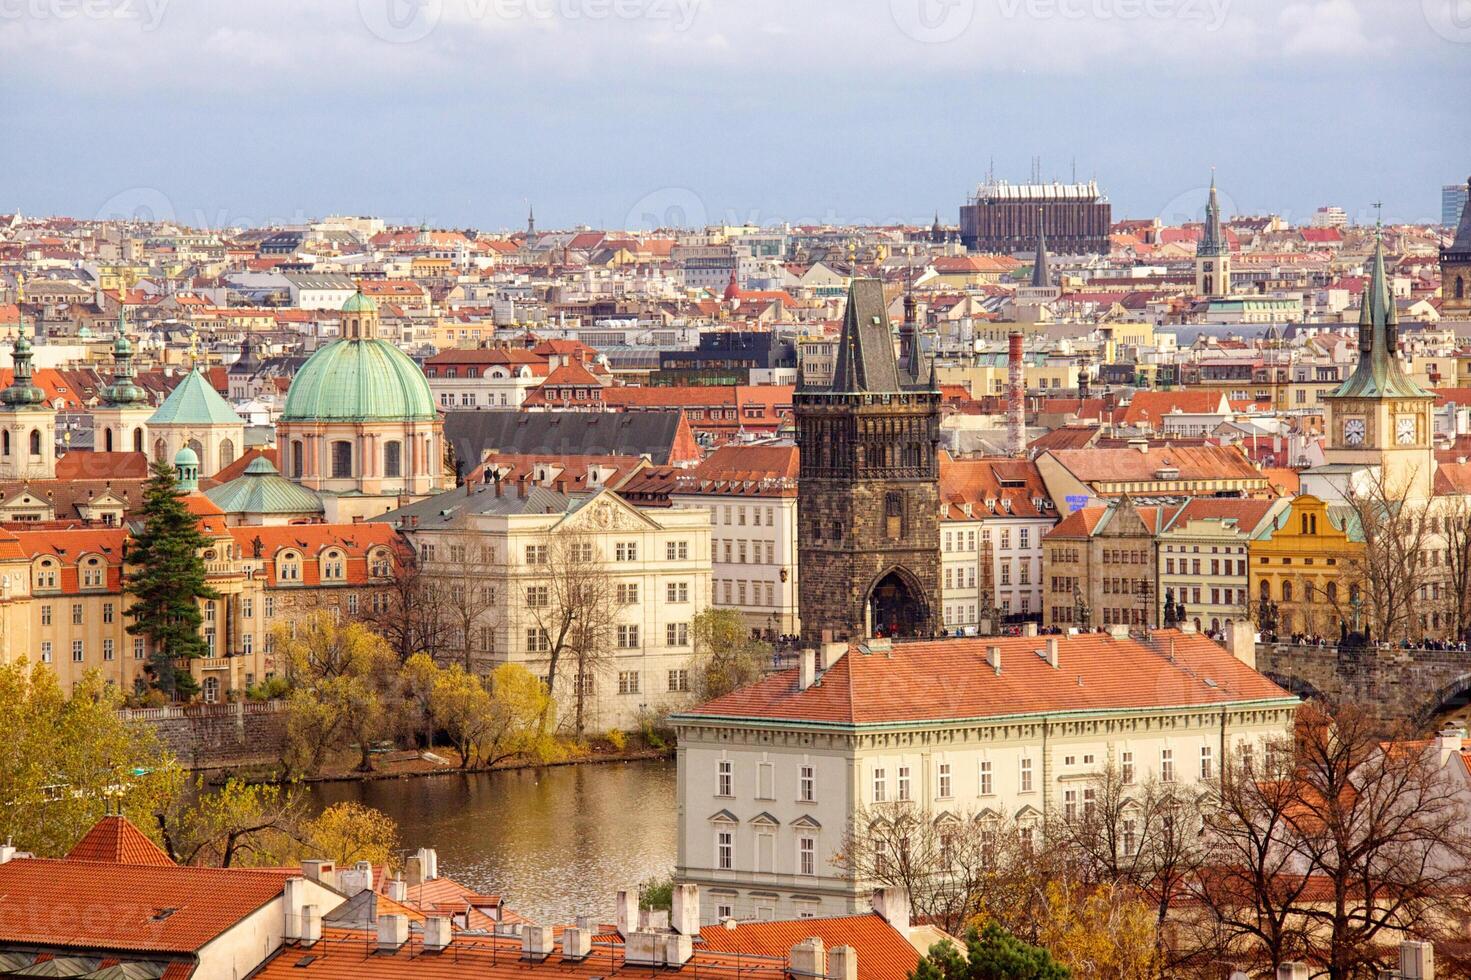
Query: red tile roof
[[883, 953], [949, 680], [116, 840]]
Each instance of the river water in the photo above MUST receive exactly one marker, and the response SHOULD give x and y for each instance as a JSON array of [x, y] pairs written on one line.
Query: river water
[[556, 842]]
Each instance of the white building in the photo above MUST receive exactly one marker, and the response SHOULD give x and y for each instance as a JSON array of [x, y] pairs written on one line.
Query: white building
[[319, 290], [482, 377], [499, 539], [772, 777]]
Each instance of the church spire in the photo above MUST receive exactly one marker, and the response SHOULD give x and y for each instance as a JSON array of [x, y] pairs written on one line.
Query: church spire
[[1378, 374], [1213, 240], [123, 390], [22, 391], [1041, 270]]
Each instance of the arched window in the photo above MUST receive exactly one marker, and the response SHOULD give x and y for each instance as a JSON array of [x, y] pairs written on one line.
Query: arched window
[[297, 468], [393, 458], [138, 440], [1460, 287], [198, 448], [1266, 590], [160, 451], [334, 567], [1286, 591], [1332, 591], [5, 443], [227, 453], [341, 459], [107, 440], [35, 442]]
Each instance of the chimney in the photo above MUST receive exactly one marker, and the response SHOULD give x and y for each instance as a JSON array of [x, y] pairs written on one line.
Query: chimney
[[293, 899], [498, 488], [576, 943], [1448, 743], [685, 915], [1142, 445], [397, 891], [831, 651], [536, 942], [7, 853], [393, 930], [842, 963], [437, 932], [1052, 647], [352, 880], [1241, 641], [311, 925], [428, 863], [521, 486], [993, 658], [413, 871], [626, 911], [1292, 970], [892, 904], [559, 485], [808, 959], [1029, 629], [1416, 960], [643, 949], [320, 871], [1119, 631], [807, 674], [678, 948]]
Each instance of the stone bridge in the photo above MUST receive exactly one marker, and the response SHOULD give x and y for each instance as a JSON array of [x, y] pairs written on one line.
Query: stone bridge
[[1398, 685]]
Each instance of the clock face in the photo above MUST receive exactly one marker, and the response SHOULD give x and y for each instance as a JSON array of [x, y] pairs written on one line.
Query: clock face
[[1404, 430], [1353, 432]]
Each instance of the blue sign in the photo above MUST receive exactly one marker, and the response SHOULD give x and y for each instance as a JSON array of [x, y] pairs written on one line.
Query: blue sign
[[1076, 501]]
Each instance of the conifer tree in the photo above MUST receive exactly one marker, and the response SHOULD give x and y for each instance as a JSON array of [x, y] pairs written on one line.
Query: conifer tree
[[167, 582]]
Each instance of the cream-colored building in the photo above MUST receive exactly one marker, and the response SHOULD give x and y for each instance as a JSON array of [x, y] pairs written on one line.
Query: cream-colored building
[[509, 543], [772, 778]]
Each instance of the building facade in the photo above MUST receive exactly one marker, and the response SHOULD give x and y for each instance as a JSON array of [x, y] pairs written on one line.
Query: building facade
[[1006, 217]]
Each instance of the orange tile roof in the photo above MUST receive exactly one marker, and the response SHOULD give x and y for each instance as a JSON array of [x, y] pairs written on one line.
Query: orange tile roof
[[949, 680], [116, 840], [1152, 406], [1129, 465], [883, 952]]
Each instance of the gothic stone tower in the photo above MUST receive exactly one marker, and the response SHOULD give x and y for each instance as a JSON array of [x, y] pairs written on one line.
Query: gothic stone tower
[[1455, 269], [1213, 253], [868, 497]]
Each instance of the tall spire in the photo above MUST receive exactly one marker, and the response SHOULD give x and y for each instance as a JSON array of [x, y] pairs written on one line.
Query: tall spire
[[22, 391], [1378, 373], [1213, 240], [123, 390], [530, 221], [1041, 270]]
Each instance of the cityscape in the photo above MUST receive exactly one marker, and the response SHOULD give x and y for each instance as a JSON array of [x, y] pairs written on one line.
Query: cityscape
[[457, 520]]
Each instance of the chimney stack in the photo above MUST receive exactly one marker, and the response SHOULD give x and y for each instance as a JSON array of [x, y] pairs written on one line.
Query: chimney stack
[[993, 658], [437, 932], [1416, 960], [892, 904], [685, 914], [1052, 647], [320, 871], [428, 863], [536, 942], [1241, 641], [1292, 970], [808, 959], [576, 943], [397, 891], [842, 963], [1029, 629], [393, 930], [311, 925], [807, 672], [1448, 743], [678, 948], [626, 911], [293, 899], [1016, 395]]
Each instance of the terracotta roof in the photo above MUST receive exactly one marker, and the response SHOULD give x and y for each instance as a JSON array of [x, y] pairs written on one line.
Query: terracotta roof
[[993, 488], [79, 465], [117, 841], [1129, 465], [1152, 406], [883, 953], [949, 680]]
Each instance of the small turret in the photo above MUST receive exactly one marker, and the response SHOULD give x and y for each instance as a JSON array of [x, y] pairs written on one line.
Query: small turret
[[186, 466], [22, 390]]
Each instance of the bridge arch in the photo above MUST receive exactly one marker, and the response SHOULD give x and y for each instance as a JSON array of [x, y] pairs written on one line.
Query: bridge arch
[[1295, 685], [1458, 687]]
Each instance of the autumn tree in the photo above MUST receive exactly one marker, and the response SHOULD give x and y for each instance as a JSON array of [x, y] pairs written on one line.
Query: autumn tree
[[991, 953], [492, 720], [66, 761], [461, 583], [572, 602], [1453, 518], [239, 823], [343, 684], [726, 655], [166, 578], [1388, 573], [347, 833], [410, 616]]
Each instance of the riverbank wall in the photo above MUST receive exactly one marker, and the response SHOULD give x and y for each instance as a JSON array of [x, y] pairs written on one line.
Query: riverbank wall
[[217, 736]]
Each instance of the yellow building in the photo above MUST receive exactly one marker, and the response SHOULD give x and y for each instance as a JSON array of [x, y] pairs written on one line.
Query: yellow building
[[1301, 565]]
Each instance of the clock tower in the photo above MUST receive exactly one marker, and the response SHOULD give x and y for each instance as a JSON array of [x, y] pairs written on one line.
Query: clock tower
[[1379, 418]]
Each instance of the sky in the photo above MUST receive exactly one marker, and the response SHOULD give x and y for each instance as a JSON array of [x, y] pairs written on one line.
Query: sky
[[639, 113]]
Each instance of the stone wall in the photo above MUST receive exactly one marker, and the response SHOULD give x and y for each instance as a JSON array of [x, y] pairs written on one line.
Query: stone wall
[[1398, 684], [214, 736]]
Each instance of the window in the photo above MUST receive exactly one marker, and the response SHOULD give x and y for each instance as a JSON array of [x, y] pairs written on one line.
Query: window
[[625, 551], [904, 783], [77, 651], [880, 786], [139, 648], [724, 850], [765, 781], [46, 614], [247, 644], [538, 597], [807, 784], [677, 634], [679, 680], [627, 593], [537, 640], [724, 911], [943, 780], [1126, 768], [270, 609], [45, 651], [628, 682], [677, 592], [1206, 760], [985, 777], [536, 554], [393, 458], [76, 614], [92, 573], [1167, 765], [725, 778], [806, 855], [341, 459], [627, 637], [1070, 805], [108, 650], [1130, 835], [1026, 776]]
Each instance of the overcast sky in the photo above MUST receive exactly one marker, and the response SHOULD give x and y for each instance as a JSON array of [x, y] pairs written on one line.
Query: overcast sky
[[627, 113]]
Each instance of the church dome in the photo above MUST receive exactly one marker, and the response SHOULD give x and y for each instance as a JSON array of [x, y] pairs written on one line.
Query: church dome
[[353, 380], [358, 303]]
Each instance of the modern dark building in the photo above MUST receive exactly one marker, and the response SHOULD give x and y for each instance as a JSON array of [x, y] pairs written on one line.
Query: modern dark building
[[725, 357], [1008, 218], [868, 508]]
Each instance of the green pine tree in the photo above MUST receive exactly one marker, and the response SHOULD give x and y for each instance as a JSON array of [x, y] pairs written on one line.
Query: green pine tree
[[167, 582], [990, 954]]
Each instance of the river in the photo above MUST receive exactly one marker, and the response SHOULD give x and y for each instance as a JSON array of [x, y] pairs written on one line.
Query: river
[[556, 842]]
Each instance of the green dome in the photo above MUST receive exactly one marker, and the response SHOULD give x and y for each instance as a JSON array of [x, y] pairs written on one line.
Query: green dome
[[186, 457], [359, 381], [358, 303]]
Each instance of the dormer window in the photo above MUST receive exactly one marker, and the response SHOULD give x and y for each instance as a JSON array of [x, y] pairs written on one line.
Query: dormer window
[[94, 573], [288, 567], [334, 567]]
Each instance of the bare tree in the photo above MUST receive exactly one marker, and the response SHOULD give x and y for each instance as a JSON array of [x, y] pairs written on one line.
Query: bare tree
[[1387, 575], [408, 615], [573, 603], [1454, 520], [463, 581]]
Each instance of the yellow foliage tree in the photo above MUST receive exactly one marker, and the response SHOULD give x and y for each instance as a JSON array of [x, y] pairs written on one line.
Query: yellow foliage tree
[[489, 722], [1100, 932], [65, 761], [350, 832], [343, 682]]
